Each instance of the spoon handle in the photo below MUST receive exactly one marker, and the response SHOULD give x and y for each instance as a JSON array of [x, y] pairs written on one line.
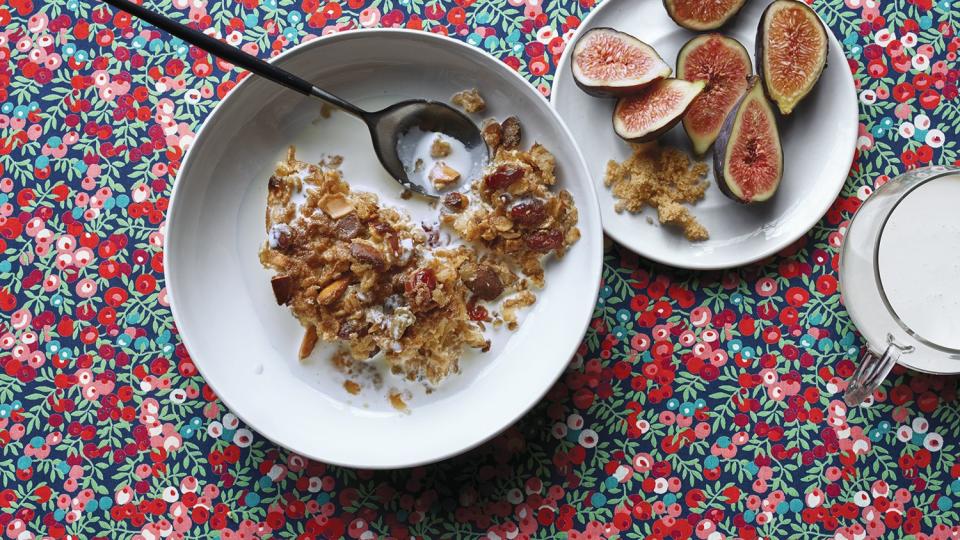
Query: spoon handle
[[234, 55]]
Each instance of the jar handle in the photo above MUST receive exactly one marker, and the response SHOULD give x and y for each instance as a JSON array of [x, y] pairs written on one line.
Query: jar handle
[[871, 372]]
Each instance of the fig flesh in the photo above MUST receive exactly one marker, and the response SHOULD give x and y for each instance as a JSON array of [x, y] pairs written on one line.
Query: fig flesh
[[699, 15], [658, 107], [724, 65], [748, 158], [792, 51], [607, 63]]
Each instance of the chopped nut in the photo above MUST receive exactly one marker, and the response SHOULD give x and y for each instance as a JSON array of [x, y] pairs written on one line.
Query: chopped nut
[[336, 205], [309, 342], [455, 202], [442, 175], [469, 100], [418, 165], [440, 148], [352, 387], [406, 194], [492, 134], [332, 292], [396, 399], [282, 288], [348, 227], [368, 254], [511, 133], [486, 284]]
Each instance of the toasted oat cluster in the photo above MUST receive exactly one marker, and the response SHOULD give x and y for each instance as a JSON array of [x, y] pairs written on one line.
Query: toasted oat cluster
[[469, 100], [359, 273], [511, 210]]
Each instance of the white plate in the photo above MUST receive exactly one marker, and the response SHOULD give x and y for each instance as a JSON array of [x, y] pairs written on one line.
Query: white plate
[[818, 140], [246, 346]]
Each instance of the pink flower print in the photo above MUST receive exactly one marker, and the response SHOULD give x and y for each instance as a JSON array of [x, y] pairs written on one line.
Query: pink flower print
[[123, 495], [643, 462], [86, 288], [37, 452], [856, 441], [766, 287], [865, 139], [17, 528], [37, 23], [814, 498], [168, 439], [21, 319], [700, 316], [369, 17]]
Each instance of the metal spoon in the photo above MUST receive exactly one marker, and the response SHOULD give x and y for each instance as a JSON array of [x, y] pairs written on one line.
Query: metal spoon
[[386, 126]]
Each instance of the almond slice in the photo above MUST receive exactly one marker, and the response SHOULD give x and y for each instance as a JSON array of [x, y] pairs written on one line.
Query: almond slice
[[332, 292], [336, 205], [309, 342], [442, 175]]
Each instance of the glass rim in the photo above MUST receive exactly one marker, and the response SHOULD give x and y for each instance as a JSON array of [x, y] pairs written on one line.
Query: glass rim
[[945, 171]]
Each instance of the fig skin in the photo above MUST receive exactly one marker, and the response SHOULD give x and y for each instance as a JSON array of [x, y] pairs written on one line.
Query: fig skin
[[702, 142], [787, 108], [727, 135], [696, 89], [618, 90], [701, 27]]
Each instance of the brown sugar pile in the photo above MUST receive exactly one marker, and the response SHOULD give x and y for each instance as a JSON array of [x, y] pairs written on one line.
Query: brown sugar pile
[[661, 177]]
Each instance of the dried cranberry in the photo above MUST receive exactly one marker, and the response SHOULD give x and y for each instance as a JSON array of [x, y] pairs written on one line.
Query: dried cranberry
[[477, 312], [544, 240], [502, 177], [418, 288], [528, 212], [424, 276]]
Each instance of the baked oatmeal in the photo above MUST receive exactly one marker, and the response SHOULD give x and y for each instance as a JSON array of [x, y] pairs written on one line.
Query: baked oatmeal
[[361, 274]]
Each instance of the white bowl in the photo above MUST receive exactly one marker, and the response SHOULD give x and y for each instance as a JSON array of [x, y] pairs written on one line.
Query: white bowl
[[818, 140], [246, 346]]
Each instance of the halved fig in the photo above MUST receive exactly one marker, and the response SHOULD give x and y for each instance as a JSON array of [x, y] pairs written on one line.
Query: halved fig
[[792, 51], [701, 15], [610, 63], [748, 159], [654, 110], [724, 65]]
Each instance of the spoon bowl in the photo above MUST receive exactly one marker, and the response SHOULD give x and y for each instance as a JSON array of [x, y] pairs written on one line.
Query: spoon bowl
[[391, 126]]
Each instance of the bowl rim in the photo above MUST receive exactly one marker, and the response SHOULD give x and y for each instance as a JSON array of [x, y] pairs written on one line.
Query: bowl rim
[[594, 271], [774, 247]]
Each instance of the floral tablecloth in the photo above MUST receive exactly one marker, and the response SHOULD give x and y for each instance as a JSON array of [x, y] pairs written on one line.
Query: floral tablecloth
[[701, 404]]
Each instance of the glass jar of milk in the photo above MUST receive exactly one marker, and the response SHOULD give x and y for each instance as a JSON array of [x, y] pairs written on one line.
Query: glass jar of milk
[[900, 277]]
